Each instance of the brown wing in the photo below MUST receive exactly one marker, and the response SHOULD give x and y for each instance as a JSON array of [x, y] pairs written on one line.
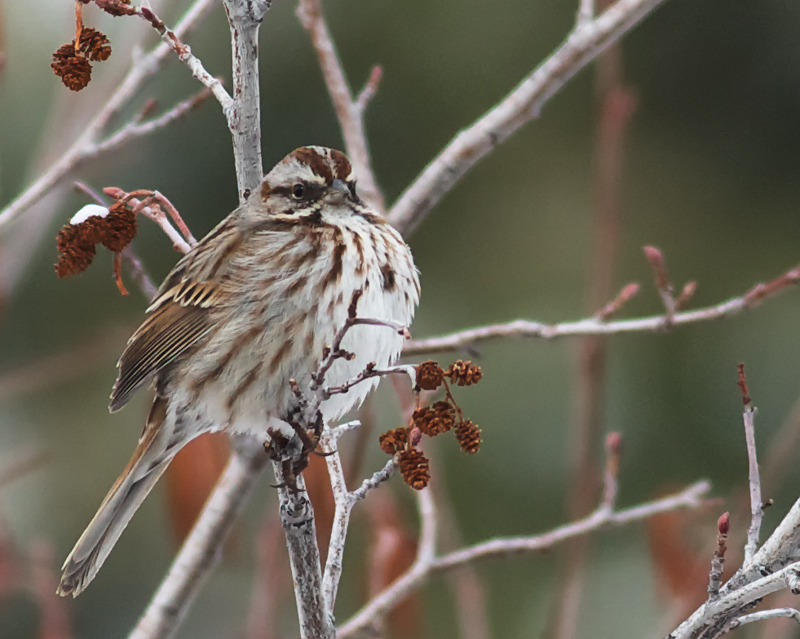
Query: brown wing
[[166, 335], [179, 317]]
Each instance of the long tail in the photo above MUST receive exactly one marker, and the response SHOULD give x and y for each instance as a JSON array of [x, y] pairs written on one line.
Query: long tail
[[149, 461]]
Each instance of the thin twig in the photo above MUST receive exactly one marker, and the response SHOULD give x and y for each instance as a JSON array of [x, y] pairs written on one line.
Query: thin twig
[[791, 613], [377, 478], [585, 12], [749, 585], [87, 145], [369, 373], [186, 56], [524, 103], [137, 128], [715, 617], [777, 551], [594, 326], [664, 285], [341, 519], [139, 273], [691, 497], [344, 505], [350, 112], [370, 88], [176, 217], [155, 213], [628, 292], [200, 551], [756, 509], [135, 266], [718, 561]]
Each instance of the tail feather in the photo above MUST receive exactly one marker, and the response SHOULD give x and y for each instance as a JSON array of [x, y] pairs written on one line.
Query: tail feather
[[148, 463]]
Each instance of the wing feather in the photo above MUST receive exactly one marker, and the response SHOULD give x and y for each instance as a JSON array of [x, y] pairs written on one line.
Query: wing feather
[[180, 316], [170, 332]]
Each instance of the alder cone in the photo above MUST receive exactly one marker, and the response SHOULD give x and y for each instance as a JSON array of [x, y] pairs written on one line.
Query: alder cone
[[468, 436], [429, 375], [464, 373], [415, 468], [393, 441], [435, 419]]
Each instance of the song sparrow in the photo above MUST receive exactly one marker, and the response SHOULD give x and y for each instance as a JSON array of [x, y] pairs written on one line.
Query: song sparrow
[[251, 307]]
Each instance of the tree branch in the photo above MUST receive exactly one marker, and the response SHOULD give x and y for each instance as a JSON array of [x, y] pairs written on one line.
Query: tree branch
[[199, 553], [524, 103], [713, 618], [89, 145], [244, 114], [756, 508], [596, 326], [771, 568], [350, 112], [344, 505], [186, 56], [243, 110], [422, 569], [791, 613], [136, 127], [297, 517]]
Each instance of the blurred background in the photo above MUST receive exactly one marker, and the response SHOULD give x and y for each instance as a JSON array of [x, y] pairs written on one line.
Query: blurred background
[[709, 174]]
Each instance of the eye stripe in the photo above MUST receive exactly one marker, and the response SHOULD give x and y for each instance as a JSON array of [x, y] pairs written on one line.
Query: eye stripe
[[286, 191]]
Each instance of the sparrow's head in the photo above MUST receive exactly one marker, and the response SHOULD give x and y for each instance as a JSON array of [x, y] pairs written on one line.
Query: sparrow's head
[[307, 179]]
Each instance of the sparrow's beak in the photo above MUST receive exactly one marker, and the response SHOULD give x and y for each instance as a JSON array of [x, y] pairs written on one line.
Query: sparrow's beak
[[338, 191]]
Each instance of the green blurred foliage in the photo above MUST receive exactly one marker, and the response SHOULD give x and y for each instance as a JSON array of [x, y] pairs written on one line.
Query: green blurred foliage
[[710, 177]]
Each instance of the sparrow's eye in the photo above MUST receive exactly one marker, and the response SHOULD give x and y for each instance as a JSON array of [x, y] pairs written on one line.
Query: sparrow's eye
[[299, 190]]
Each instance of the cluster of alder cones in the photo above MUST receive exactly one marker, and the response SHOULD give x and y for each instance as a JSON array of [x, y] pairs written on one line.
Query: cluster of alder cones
[[72, 62], [77, 242], [441, 417]]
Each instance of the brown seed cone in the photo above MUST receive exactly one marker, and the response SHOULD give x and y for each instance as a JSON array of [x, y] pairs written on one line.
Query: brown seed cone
[[435, 419], [94, 44], [74, 70], [429, 375], [116, 7], [464, 373], [415, 468], [120, 228], [62, 54], [468, 436], [76, 251], [393, 441], [93, 229]]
